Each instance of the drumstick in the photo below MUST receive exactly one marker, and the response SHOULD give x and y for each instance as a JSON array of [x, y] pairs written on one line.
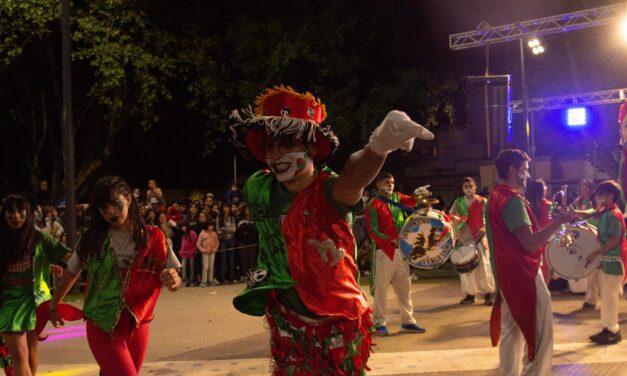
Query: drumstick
[[593, 214]]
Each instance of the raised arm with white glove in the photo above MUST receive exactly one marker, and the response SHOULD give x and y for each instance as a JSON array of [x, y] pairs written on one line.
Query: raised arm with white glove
[[396, 131]]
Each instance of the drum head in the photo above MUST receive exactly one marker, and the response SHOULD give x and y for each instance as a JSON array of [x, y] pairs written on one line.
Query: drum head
[[426, 240], [569, 260], [464, 254]]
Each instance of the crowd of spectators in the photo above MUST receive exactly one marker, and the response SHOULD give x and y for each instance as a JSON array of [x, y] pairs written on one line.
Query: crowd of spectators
[[215, 238]]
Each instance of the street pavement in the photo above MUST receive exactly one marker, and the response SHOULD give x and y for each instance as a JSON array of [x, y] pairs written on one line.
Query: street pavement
[[198, 332]]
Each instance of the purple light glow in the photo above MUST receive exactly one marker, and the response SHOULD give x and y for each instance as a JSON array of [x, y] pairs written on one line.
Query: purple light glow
[[65, 333]]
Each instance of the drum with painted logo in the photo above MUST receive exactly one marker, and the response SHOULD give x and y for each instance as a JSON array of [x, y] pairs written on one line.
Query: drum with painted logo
[[426, 239], [569, 248], [465, 258]]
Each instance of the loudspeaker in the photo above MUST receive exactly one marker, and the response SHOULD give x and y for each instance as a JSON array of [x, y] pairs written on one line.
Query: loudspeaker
[[488, 112]]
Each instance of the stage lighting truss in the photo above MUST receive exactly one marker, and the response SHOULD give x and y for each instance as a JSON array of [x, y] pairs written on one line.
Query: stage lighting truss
[[487, 34], [565, 101]]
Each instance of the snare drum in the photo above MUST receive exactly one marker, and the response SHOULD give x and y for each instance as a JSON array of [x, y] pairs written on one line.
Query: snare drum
[[426, 239], [465, 258], [569, 247]]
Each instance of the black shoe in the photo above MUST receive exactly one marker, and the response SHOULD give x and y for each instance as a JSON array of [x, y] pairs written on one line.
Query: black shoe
[[469, 299], [488, 300], [608, 338], [595, 337], [587, 305]]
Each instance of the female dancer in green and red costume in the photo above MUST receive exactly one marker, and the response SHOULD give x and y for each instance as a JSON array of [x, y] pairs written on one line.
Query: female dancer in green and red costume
[[127, 263], [25, 258], [306, 279]]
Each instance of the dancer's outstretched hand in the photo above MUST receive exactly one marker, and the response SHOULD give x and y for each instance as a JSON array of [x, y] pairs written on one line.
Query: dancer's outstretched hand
[[396, 131], [55, 319], [170, 279]]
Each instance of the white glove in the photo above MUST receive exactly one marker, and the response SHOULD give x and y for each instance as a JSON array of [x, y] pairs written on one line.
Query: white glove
[[423, 191], [397, 130]]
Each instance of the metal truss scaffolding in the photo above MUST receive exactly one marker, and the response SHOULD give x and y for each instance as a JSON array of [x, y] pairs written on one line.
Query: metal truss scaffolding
[[563, 101], [486, 34]]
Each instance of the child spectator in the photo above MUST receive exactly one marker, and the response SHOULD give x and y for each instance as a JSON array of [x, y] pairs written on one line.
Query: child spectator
[[208, 244], [188, 251], [226, 263]]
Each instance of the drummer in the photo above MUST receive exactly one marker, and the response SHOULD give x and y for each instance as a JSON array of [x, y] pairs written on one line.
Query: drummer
[[611, 230], [467, 213], [584, 203], [384, 219]]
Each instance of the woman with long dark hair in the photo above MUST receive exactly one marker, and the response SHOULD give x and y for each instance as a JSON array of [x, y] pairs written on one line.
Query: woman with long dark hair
[[25, 257], [127, 262]]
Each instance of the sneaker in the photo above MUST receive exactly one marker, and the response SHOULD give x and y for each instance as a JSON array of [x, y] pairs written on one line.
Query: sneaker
[[469, 299], [608, 338], [382, 331], [587, 305], [413, 328], [203, 285], [595, 337], [488, 300]]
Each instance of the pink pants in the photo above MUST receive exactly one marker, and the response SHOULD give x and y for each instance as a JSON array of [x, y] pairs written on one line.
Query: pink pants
[[122, 352]]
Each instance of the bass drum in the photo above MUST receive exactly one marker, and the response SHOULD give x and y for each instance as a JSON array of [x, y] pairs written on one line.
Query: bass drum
[[568, 249], [426, 239], [465, 258]]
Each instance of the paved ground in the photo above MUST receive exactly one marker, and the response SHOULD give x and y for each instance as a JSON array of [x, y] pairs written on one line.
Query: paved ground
[[197, 332]]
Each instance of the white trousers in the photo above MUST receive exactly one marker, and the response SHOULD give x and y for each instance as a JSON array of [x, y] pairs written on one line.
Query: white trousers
[[593, 288], [611, 289], [208, 259], [480, 280], [513, 347], [397, 273]]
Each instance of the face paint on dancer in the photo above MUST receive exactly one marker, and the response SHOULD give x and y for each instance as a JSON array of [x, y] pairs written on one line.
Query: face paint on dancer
[[15, 218], [116, 213], [469, 189], [386, 187], [290, 165]]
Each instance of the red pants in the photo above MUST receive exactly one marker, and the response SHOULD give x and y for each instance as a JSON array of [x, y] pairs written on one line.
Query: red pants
[[122, 352]]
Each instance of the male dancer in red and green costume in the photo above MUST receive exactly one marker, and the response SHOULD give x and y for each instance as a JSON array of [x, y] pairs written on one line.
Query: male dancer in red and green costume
[[522, 315], [384, 221], [306, 279], [467, 212]]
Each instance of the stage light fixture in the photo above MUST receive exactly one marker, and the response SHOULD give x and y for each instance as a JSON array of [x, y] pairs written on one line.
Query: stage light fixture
[[535, 42], [577, 117]]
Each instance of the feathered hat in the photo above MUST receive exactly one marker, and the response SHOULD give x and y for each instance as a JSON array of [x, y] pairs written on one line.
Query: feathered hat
[[281, 111]]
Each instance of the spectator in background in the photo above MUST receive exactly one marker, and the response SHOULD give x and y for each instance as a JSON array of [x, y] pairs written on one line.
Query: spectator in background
[[137, 195], [43, 195], [154, 204], [151, 217], [246, 237], [154, 191], [51, 224], [209, 200], [166, 228], [192, 215], [201, 224], [208, 244], [188, 251], [226, 233], [175, 213], [142, 211], [232, 193]]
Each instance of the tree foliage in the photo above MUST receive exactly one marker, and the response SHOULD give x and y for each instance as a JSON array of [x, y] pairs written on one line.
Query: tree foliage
[[203, 59]]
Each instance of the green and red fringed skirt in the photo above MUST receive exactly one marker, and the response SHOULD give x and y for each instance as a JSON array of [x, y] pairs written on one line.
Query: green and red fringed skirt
[[5, 359], [304, 346]]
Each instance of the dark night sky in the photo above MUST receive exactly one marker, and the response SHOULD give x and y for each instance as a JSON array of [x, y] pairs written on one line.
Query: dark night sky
[[585, 60]]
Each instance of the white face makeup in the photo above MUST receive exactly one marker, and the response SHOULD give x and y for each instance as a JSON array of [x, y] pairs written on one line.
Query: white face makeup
[[469, 189], [15, 218], [290, 165], [116, 214], [386, 187]]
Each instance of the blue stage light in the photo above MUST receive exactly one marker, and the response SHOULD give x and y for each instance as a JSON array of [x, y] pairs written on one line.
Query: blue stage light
[[577, 117]]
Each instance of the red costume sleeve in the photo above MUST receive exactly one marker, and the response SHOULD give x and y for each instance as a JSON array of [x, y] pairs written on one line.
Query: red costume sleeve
[[407, 200]]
